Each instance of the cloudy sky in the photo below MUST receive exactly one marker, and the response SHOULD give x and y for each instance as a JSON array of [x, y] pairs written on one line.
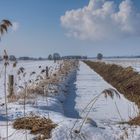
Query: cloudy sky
[[71, 27]]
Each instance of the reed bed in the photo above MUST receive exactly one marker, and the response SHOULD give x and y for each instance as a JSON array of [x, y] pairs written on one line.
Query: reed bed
[[125, 80], [45, 86]]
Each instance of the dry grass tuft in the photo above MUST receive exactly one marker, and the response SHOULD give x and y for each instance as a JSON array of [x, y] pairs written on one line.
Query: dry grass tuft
[[111, 93], [37, 125], [12, 98], [134, 121]]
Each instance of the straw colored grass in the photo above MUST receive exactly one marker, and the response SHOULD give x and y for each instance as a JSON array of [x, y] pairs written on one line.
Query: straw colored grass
[[135, 121], [125, 80], [41, 127]]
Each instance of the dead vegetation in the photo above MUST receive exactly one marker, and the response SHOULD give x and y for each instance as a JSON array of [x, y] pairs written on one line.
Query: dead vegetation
[[133, 121], [110, 93], [41, 127], [125, 80], [43, 85]]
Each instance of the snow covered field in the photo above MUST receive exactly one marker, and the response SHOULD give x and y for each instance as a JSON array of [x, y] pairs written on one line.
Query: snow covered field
[[29, 66], [66, 107], [125, 62]]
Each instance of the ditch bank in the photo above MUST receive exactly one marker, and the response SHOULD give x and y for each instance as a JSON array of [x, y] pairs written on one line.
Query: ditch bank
[[125, 80]]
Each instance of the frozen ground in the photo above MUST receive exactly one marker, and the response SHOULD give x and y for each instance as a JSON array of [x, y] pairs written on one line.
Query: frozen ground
[[66, 108], [29, 66], [89, 84], [125, 62]]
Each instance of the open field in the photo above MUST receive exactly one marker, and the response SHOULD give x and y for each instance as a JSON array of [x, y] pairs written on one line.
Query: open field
[[125, 62], [78, 101]]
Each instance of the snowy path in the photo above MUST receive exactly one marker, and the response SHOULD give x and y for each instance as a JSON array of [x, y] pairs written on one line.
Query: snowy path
[[88, 85]]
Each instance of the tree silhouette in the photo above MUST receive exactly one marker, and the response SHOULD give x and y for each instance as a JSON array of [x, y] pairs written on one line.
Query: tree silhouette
[[99, 56]]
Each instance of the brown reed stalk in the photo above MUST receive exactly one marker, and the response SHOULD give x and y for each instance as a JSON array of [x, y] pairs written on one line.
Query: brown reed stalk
[[5, 58], [107, 93], [25, 94]]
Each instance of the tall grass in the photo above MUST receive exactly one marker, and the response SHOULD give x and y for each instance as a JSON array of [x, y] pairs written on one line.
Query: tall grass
[[106, 93], [125, 80], [6, 63]]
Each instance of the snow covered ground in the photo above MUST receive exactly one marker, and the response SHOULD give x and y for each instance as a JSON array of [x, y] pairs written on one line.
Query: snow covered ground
[[89, 84], [66, 108], [29, 67], [125, 62]]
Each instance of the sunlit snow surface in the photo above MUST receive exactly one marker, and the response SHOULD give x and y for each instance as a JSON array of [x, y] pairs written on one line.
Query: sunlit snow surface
[[89, 84], [125, 62], [81, 86]]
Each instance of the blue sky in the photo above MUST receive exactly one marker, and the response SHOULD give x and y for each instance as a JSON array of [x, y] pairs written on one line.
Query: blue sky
[[40, 31]]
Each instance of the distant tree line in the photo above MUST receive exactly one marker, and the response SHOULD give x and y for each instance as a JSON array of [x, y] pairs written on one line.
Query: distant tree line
[[99, 56], [55, 56], [74, 57], [11, 58]]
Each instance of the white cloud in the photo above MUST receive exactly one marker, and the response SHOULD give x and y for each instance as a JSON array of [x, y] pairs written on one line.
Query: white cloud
[[15, 26], [102, 20]]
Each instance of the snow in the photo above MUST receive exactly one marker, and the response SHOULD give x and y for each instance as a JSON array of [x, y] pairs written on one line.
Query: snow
[[90, 84], [125, 62], [65, 108]]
